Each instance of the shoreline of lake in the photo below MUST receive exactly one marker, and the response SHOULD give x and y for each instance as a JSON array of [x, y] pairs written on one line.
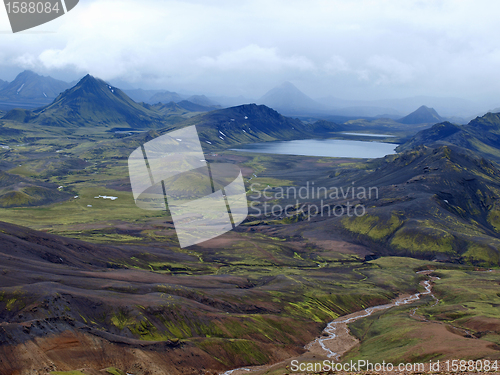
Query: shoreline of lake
[[323, 148]]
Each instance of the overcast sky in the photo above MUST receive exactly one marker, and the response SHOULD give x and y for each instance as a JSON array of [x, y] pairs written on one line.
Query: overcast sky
[[348, 49]]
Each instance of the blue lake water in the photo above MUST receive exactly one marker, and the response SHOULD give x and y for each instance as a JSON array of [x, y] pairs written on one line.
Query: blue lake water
[[337, 148], [369, 135]]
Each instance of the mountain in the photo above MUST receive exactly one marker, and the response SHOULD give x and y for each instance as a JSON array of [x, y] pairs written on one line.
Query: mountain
[[31, 86], [436, 203], [16, 191], [194, 107], [231, 101], [202, 100], [447, 106], [92, 102], [365, 111], [3, 84], [481, 135], [174, 113], [165, 97], [422, 115], [431, 136], [286, 98], [140, 95], [169, 108], [249, 123]]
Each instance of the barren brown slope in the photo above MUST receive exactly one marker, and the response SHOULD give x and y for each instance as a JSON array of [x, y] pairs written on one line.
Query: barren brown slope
[[66, 304]]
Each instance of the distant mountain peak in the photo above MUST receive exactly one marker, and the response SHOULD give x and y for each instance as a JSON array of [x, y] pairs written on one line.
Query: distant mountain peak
[[87, 76], [289, 99], [164, 97], [422, 115], [29, 85], [28, 73], [90, 80], [202, 100], [288, 85], [423, 108], [285, 86]]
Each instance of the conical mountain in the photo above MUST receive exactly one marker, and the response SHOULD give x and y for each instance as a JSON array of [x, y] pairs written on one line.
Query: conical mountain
[[94, 102], [286, 98], [423, 115], [31, 86]]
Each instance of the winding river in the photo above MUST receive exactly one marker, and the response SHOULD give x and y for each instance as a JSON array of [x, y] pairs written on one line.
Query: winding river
[[336, 338]]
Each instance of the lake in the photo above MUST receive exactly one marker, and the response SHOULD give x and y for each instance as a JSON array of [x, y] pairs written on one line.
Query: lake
[[336, 148], [368, 135]]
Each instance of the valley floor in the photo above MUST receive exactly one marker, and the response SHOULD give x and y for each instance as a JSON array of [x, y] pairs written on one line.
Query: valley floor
[[99, 284]]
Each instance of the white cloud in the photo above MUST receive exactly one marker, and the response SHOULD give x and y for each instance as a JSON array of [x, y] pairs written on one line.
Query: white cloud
[[26, 61], [337, 64], [254, 57], [354, 48], [388, 70]]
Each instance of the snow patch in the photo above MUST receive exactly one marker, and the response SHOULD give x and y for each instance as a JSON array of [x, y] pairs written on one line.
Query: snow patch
[[106, 197], [20, 88]]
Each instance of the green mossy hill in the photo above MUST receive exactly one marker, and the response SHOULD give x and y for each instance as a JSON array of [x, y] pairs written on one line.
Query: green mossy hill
[[481, 135], [250, 123], [437, 133], [19, 115], [323, 127], [17, 191], [31, 196], [433, 203], [168, 109], [92, 102]]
